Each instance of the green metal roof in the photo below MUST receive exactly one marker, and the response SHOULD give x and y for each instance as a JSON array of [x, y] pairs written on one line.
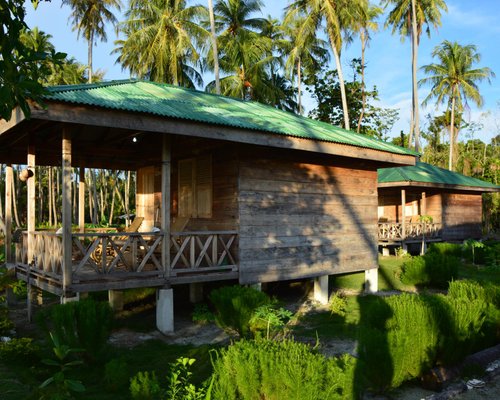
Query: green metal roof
[[427, 173], [176, 102]]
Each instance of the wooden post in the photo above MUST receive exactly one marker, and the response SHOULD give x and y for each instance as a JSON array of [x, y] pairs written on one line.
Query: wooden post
[[66, 211], [31, 187], [81, 201], [403, 214], [423, 206], [165, 204], [9, 176]]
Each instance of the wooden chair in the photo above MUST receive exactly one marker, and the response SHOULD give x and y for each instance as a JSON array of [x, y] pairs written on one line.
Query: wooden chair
[[120, 240]]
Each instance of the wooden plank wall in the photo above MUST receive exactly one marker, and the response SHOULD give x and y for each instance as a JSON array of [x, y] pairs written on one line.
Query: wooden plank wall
[[390, 200], [462, 216], [224, 178], [305, 219]]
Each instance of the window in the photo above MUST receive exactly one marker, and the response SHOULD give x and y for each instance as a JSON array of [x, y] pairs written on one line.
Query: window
[[195, 187]]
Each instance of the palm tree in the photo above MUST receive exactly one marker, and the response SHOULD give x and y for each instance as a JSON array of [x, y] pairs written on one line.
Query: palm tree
[[454, 80], [89, 18], [364, 26], [244, 51], [162, 41], [339, 16], [305, 52], [214, 45], [409, 17]]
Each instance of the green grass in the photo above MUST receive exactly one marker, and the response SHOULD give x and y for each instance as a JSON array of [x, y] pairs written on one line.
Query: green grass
[[479, 273], [388, 277]]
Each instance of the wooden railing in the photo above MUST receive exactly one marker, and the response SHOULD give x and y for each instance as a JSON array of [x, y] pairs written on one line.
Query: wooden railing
[[136, 253], [412, 230], [202, 251]]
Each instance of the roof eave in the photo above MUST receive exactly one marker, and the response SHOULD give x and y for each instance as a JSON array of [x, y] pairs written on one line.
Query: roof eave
[[462, 188], [91, 115], [17, 117]]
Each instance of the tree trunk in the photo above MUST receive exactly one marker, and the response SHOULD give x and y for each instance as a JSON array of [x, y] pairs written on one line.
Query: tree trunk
[[214, 46], [299, 85], [91, 43], [363, 91], [452, 129], [15, 197], [95, 201], [414, 49], [342, 86]]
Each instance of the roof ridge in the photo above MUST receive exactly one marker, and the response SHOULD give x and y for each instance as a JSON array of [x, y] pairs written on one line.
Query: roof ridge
[[95, 85]]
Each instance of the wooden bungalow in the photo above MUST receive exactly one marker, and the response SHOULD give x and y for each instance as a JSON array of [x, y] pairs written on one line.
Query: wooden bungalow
[[424, 203], [227, 189]]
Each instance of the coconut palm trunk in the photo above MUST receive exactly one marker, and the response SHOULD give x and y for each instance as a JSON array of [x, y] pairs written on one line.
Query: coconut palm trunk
[[343, 96], [299, 86], [452, 132], [363, 37], [91, 41], [414, 49], [214, 46]]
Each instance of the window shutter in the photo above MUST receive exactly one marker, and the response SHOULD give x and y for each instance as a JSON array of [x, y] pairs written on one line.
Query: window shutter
[[204, 187], [186, 192]]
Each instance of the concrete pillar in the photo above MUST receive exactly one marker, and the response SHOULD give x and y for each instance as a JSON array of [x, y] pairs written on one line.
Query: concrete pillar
[[165, 310], [115, 298], [196, 292], [321, 289], [257, 286], [70, 298], [10, 297], [371, 280]]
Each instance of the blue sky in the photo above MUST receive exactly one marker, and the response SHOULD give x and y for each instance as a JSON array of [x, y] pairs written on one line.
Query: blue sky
[[388, 58]]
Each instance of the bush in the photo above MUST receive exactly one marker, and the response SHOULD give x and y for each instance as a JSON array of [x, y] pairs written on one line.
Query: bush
[[202, 315], [398, 339], [6, 325], [116, 374], [19, 349], [263, 369], [84, 324], [145, 386], [269, 320], [434, 269], [235, 305], [448, 249]]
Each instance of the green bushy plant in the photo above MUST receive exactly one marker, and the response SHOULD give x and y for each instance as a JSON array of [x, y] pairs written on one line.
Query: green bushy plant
[[180, 386], [116, 374], [264, 369], [434, 269], [397, 339], [6, 325], [145, 386], [202, 315], [269, 319], [84, 324], [19, 348], [338, 304], [235, 305], [449, 249]]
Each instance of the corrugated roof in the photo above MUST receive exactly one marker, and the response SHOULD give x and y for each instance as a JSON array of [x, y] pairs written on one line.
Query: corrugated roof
[[176, 102], [427, 173]]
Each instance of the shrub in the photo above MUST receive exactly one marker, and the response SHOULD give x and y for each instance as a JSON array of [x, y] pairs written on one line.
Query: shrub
[[144, 386], [269, 319], [85, 324], [6, 325], [19, 349], [448, 249], [202, 315], [434, 268], [263, 369], [338, 305], [116, 374], [235, 305], [397, 339]]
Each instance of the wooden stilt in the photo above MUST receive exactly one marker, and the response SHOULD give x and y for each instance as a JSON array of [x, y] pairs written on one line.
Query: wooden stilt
[[9, 175], [81, 201], [31, 204]]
